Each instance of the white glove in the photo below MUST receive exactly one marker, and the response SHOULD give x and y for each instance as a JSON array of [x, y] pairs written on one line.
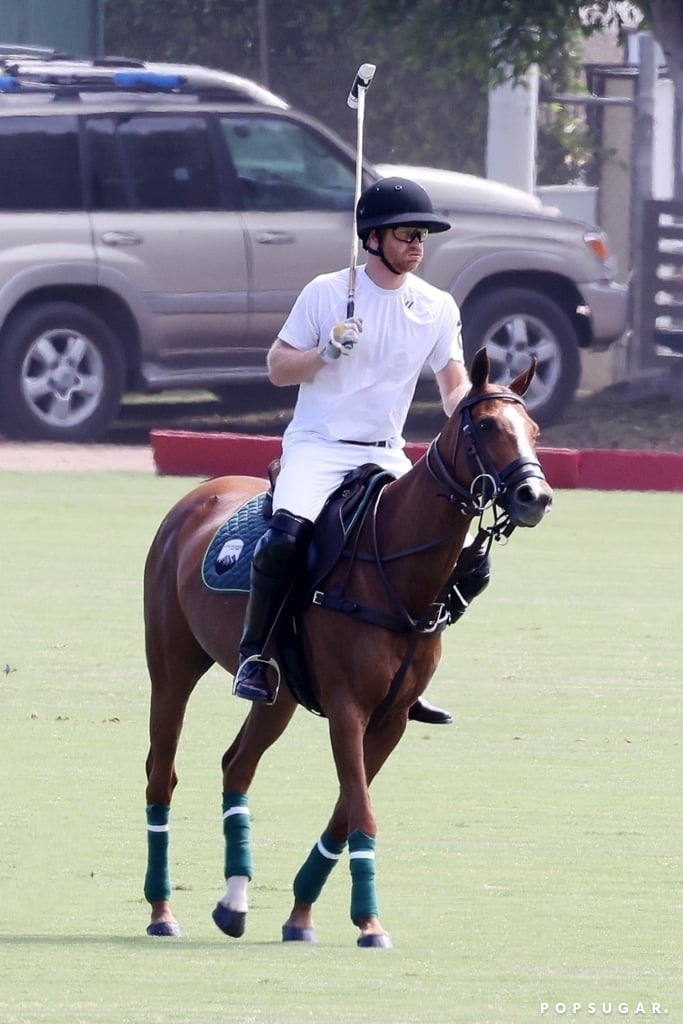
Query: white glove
[[343, 337]]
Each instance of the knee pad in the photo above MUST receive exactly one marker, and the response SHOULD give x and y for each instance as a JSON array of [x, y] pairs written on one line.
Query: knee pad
[[477, 577]]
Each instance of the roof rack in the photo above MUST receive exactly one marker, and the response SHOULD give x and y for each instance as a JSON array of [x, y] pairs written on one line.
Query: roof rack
[[119, 62], [40, 52], [49, 71], [64, 85], [47, 53]]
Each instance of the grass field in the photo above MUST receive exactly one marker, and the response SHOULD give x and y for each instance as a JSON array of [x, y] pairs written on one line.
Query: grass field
[[530, 855]]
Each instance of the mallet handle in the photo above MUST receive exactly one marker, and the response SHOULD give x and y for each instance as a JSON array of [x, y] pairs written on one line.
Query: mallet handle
[[356, 100]]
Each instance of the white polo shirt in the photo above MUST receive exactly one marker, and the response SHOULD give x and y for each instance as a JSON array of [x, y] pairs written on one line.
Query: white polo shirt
[[366, 395]]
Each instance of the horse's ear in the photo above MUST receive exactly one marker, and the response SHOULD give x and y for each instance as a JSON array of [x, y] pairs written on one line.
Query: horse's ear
[[520, 385], [479, 370]]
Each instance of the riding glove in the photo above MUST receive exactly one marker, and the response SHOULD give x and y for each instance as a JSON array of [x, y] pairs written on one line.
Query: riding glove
[[343, 337]]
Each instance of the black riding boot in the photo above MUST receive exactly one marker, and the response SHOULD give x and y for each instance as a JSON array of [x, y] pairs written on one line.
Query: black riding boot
[[473, 581], [273, 569]]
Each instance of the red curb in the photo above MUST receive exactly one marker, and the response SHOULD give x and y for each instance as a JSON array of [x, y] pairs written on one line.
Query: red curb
[[186, 453], [561, 466], [630, 471]]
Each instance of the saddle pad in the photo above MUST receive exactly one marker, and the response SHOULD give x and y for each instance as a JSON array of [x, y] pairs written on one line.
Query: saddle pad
[[227, 561]]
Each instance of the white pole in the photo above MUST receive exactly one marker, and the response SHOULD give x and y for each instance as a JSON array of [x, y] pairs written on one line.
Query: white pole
[[511, 138]]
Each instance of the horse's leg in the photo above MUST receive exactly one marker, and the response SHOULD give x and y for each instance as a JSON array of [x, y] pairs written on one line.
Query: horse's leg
[[262, 727], [173, 673], [311, 878], [358, 762], [378, 744]]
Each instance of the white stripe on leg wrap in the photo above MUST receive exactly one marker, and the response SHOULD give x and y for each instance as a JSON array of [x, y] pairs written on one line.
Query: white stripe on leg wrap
[[324, 852], [235, 810]]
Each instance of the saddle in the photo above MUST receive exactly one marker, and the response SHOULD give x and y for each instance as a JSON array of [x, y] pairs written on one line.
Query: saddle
[[226, 564], [344, 510]]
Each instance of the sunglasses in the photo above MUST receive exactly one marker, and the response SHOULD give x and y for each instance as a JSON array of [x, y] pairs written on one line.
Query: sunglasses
[[410, 234]]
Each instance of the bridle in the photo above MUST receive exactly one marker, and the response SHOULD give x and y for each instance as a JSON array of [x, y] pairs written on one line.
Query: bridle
[[489, 486], [490, 489]]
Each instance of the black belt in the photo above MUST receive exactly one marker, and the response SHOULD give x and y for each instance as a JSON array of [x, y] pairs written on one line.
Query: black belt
[[367, 444]]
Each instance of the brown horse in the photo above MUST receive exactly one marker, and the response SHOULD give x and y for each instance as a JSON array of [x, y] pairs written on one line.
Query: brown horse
[[365, 675]]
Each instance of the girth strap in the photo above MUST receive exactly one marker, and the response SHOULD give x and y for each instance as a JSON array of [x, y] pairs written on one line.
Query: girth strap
[[434, 620]]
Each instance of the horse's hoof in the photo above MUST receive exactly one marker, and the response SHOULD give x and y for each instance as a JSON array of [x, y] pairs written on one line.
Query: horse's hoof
[[160, 928], [229, 921], [382, 941], [290, 933]]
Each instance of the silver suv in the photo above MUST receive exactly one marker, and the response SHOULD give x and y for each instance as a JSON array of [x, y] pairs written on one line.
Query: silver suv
[[157, 222]]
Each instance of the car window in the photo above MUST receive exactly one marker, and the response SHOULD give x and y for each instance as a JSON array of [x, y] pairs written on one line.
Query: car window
[[148, 162], [39, 164], [282, 165]]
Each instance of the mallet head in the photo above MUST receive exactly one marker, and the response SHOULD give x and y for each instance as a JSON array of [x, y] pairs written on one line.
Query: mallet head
[[364, 76]]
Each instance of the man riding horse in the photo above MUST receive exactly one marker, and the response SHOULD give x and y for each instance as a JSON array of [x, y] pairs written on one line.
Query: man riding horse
[[353, 400]]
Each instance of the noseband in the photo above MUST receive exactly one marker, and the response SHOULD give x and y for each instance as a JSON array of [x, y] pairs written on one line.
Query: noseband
[[489, 485]]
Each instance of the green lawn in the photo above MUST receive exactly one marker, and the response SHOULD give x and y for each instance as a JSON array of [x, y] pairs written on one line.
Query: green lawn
[[529, 855]]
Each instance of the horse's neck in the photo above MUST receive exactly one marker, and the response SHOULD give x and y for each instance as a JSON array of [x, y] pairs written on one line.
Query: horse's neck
[[420, 534]]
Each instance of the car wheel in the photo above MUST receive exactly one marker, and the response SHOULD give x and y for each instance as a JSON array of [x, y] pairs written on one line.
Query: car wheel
[[515, 324], [61, 374]]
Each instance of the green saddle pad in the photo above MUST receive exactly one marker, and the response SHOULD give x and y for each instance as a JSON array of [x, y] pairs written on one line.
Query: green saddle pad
[[227, 561]]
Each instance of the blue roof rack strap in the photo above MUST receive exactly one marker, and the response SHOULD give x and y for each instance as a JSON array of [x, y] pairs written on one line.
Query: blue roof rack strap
[[147, 80]]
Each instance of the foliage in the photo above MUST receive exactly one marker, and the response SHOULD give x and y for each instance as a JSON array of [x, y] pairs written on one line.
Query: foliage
[[438, 59], [565, 146], [418, 114]]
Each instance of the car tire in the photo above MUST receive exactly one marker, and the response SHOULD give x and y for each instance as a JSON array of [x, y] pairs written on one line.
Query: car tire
[[516, 324], [61, 374]]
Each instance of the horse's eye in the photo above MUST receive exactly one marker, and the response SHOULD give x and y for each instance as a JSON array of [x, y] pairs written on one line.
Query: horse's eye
[[486, 424]]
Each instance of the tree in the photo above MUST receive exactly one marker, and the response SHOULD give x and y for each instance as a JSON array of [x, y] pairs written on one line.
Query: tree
[[436, 58], [663, 17]]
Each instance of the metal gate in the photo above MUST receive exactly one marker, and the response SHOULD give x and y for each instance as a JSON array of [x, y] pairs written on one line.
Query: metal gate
[[661, 285]]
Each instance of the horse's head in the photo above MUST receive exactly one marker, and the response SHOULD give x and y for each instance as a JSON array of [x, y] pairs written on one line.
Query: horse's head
[[487, 454]]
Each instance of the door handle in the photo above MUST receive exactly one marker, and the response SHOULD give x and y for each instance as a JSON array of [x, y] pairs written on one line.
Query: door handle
[[121, 238], [274, 238]]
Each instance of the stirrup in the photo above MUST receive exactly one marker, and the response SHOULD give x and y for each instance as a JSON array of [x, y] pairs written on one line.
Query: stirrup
[[251, 682]]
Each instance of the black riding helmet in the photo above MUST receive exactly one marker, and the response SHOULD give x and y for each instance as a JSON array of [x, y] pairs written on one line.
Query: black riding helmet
[[391, 202]]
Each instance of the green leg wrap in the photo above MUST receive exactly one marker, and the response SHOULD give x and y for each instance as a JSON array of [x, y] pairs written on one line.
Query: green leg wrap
[[362, 864], [315, 870], [236, 831], [157, 878]]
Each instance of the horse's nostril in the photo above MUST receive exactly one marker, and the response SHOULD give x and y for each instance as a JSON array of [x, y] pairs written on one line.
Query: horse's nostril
[[526, 494]]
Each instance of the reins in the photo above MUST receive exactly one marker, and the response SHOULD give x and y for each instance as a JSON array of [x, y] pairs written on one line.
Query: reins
[[488, 485], [487, 493]]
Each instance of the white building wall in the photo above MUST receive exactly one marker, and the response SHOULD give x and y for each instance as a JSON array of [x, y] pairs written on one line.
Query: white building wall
[[664, 140]]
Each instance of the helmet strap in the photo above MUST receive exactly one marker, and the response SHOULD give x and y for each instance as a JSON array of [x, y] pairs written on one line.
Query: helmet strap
[[379, 252]]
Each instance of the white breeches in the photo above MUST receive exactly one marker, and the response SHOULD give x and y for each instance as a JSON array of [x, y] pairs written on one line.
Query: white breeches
[[313, 468]]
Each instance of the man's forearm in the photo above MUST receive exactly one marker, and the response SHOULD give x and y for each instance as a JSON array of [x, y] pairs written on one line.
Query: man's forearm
[[288, 365]]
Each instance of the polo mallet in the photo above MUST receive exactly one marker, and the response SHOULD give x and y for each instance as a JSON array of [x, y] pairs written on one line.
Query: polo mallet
[[356, 100]]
